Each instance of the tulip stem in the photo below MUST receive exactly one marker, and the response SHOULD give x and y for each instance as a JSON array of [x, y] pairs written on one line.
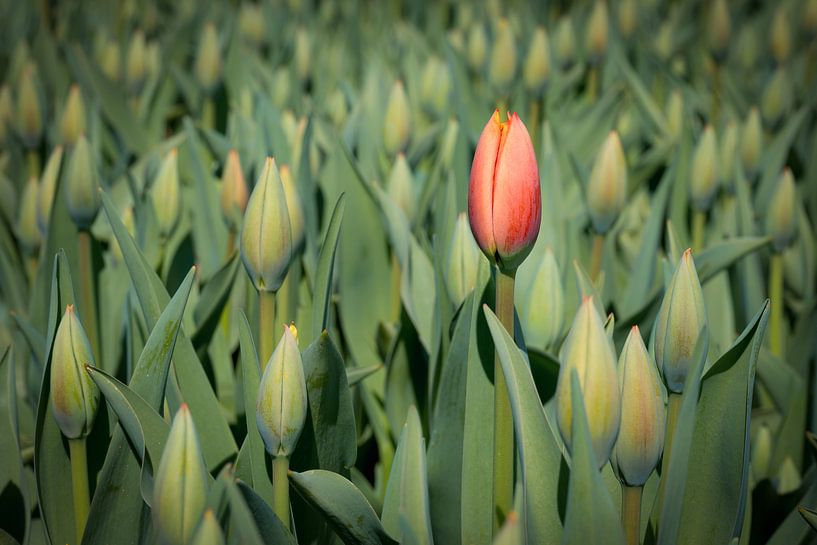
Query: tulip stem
[[503, 417], [631, 512], [776, 300], [280, 489], [79, 479], [593, 82], [33, 161], [266, 325], [86, 275], [673, 408], [698, 224], [595, 261]]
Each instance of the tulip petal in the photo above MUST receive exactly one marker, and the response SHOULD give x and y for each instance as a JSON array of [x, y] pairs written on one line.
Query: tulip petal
[[481, 188]]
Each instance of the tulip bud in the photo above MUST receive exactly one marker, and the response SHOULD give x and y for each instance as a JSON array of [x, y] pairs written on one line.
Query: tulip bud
[[234, 192], [641, 435], [28, 234], [680, 322], [251, 23], [719, 29], [110, 60], [799, 258], [295, 209], [607, 188], [543, 304], [82, 185], [777, 97], [281, 406], [303, 54], [266, 237], [627, 17], [6, 114], [727, 154], [208, 532], [537, 63], [397, 122], [746, 47], [449, 143], [664, 41], [435, 86], [463, 262], [675, 114], [504, 198], [477, 47], [29, 110], [751, 141], [337, 107], [73, 117], [810, 17], [180, 489], [589, 351], [208, 59], [130, 227], [780, 40], [565, 42], [136, 68], [74, 395], [503, 57], [280, 87], [761, 452], [704, 180], [597, 32], [400, 186], [166, 195], [781, 217]]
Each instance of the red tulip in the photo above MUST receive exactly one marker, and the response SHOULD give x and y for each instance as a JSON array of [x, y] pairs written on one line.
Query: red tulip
[[504, 199]]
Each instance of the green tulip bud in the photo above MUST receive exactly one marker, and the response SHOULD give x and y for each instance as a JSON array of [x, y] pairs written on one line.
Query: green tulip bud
[[136, 68], [251, 23], [643, 417], [153, 59], [728, 154], [746, 48], [777, 97], [73, 117], [781, 216], [208, 59], [665, 40], [166, 195], [82, 185], [788, 477], [435, 86], [761, 452], [27, 232], [780, 39], [295, 209], [597, 32], [675, 114], [704, 180], [565, 42], [799, 257], [502, 65], [208, 532], [180, 488], [627, 17], [280, 87], [543, 304], [463, 261], [607, 188], [6, 114], [589, 351], [397, 122], [751, 141], [680, 322], [234, 191], [400, 186], [266, 236], [303, 54], [74, 395], [110, 60], [337, 107], [477, 47], [130, 225], [48, 187], [281, 405], [537, 64], [719, 29], [29, 110]]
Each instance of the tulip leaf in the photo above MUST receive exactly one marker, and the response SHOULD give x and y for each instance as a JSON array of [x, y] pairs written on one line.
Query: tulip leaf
[[775, 155], [343, 506], [721, 255], [322, 292], [539, 454], [212, 301], [419, 291], [356, 374], [269, 526], [15, 504]]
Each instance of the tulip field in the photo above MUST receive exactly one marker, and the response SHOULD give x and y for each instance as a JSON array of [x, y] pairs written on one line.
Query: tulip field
[[376, 272]]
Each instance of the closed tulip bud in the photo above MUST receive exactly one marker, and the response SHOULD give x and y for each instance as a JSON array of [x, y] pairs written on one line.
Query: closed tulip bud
[[746, 47], [799, 258], [607, 188], [751, 141], [303, 54], [503, 56], [180, 489], [295, 209], [537, 64], [643, 417], [589, 351], [74, 395], [27, 232], [627, 17], [208, 59], [234, 191], [597, 32], [719, 29], [397, 122], [781, 217], [153, 58], [48, 187], [166, 195], [727, 154], [543, 305], [400, 186], [266, 236], [681, 321], [449, 143], [208, 532], [82, 185], [6, 114], [29, 111], [463, 262], [281, 406], [280, 87], [110, 60], [780, 40], [664, 41], [704, 180], [761, 452], [130, 226], [565, 42], [777, 97], [675, 114], [337, 107], [435, 86], [477, 47], [136, 67], [73, 117], [504, 198], [810, 17], [251, 23]]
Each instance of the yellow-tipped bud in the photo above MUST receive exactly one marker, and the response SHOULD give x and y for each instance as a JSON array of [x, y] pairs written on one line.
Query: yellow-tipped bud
[[503, 56], [543, 304], [208, 532], [73, 117], [704, 180], [74, 395], [597, 33], [781, 34], [607, 189], [728, 154], [266, 236], [180, 489], [295, 209], [641, 435], [82, 185], [166, 195], [751, 141], [627, 17], [777, 97], [537, 64], [435, 87], [136, 67], [565, 42], [589, 351], [781, 216], [477, 47], [397, 121], [281, 406], [28, 234], [29, 110], [303, 54], [681, 321], [400, 186], [208, 59], [719, 29], [234, 191], [463, 261]]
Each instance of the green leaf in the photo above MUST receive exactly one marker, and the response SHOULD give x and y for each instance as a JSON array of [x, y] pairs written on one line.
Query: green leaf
[[539, 454], [212, 300], [326, 265], [419, 291], [15, 504], [357, 374], [343, 506], [269, 526], [721, 255]]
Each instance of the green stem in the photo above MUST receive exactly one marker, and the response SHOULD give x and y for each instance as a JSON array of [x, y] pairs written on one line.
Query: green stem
[[593, 82], [31, 269], [631, 512], [698, 224], [87, 297], [595, 261], [79, 480], [208, 113], [280, 489], [503, 417], [266, 326], [776, 300], [673, 408], [33, 162]]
